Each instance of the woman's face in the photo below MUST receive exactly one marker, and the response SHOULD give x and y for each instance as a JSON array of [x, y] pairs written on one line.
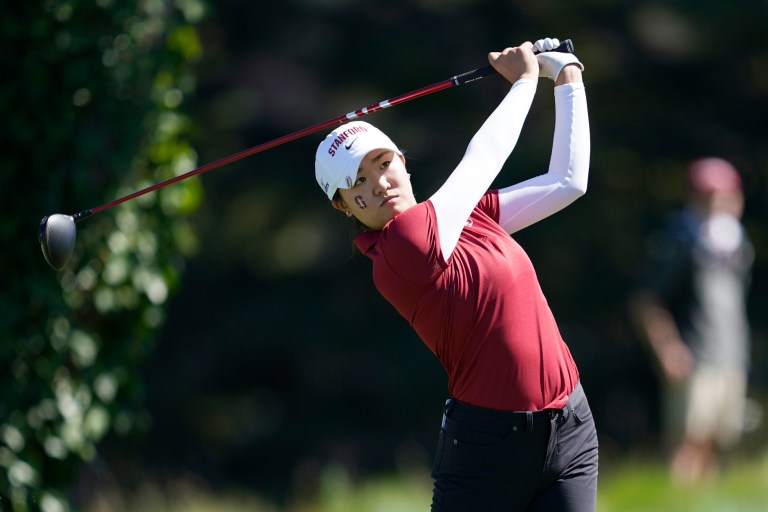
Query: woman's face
[[381, 192]]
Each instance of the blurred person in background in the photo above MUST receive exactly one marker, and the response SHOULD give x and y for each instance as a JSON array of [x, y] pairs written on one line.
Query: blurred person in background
[[690, 308]]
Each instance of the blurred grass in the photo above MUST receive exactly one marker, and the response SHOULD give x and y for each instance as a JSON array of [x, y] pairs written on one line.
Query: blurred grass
[[626, 486], [402, 492], [645, 486], [187, 495]]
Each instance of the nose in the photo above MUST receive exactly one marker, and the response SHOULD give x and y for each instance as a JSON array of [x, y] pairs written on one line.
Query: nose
[[382, 184]]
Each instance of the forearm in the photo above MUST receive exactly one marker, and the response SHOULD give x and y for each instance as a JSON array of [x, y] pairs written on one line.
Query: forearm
[[484, 158], [655, 323], [492, 144], [530, 201], [659, 328]]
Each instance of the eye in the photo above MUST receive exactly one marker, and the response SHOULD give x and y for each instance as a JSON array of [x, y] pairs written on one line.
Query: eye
[[360, 180], [385, 164]]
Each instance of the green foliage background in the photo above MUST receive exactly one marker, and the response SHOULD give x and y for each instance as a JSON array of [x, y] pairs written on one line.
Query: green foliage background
[[92, 108]]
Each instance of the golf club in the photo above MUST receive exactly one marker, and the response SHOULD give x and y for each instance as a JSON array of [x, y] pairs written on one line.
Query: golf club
[[57, 232]]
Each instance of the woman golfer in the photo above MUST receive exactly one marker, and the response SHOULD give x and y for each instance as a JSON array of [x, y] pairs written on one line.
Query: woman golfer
[[517, 432]]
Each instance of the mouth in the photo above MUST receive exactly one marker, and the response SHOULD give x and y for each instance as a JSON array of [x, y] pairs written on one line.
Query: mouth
[[388, 200]]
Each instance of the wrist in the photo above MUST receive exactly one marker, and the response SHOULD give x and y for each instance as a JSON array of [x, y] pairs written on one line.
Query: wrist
[[571, 73]]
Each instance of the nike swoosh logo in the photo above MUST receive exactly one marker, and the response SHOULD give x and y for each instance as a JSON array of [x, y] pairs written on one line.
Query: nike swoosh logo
[[347, 146]]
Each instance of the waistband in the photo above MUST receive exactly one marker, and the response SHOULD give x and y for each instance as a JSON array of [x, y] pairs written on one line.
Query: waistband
[[462, 410]]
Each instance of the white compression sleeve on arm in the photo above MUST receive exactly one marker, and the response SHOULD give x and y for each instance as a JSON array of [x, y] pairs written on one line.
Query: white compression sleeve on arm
[[487, 151], [537, 198]]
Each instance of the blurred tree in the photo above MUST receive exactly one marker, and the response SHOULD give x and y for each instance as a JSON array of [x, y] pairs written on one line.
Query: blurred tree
[[92, 108]]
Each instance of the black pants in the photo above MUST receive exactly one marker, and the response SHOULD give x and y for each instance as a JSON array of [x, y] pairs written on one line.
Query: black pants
[[516, 461]]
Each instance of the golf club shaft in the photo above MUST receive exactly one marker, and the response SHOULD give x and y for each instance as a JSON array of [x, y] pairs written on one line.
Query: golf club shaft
[[566, 47]]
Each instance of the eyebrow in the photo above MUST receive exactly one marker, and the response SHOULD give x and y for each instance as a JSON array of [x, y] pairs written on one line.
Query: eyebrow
[[376, 158]]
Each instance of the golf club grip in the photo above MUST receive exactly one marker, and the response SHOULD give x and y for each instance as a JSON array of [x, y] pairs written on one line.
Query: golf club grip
[[565, 47]]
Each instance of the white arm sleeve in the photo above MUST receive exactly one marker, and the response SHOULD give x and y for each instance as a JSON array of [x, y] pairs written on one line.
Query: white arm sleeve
[[537, 198], [487, 151]]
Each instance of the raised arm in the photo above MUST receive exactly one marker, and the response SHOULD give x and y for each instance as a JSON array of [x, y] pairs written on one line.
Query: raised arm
[[489, 148], [530, 201]]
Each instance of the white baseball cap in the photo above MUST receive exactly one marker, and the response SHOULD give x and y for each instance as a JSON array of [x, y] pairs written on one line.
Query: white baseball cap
[[338, 157]]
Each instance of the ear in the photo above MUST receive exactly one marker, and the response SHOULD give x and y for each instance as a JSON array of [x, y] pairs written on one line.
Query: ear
[[339, 204]]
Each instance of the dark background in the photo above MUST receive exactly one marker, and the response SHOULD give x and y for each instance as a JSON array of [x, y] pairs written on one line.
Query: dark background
[[279, 357]]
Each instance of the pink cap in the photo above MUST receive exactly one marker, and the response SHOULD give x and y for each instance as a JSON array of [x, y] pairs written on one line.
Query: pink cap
[[713, 174]]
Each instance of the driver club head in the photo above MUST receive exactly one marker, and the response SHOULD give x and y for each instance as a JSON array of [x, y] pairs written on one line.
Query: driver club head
[[57, 239]]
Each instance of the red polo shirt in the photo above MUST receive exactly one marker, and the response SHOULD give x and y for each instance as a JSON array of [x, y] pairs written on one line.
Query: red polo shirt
[[482, 313]]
